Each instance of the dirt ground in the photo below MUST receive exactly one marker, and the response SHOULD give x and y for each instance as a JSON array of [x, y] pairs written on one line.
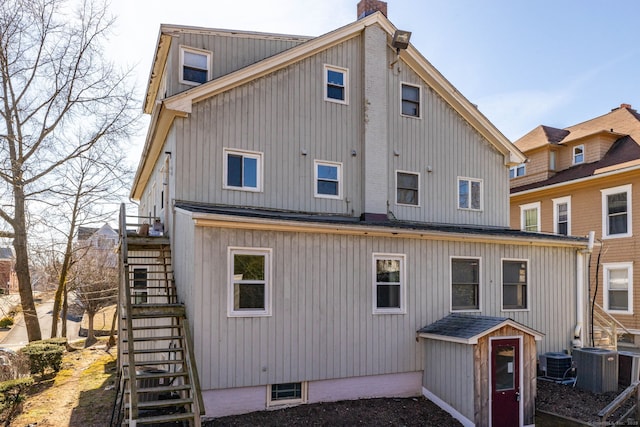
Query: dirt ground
[[82, 395], [369, 412]]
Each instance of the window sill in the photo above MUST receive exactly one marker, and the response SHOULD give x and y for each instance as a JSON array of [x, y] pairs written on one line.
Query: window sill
[[406, 205], [248, 314], [327, 196], [248, 189], [617, 236], [410, 117], [394, 311]]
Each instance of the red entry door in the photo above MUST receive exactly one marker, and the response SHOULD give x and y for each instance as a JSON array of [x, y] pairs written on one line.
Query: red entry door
[[505, 382]]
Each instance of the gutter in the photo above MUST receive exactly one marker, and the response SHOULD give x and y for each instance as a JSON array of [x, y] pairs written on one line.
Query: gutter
[[575, 181]]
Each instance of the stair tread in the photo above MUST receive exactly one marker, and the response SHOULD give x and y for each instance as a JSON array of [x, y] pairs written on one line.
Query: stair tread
[[156, 338], [154, 350], [162, 403], [163, 418], [154, 362], [146, 375], [163, 388]]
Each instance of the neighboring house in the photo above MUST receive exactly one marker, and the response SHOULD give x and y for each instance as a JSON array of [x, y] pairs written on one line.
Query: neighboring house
[[103, 239], [585, 178], [8, 278], [338, 215]]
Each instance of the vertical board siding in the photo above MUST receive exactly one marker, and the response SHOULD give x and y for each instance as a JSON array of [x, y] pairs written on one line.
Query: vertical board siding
[[279, 115], [322, 324], [449, 374], [229, 53], [443, 140]]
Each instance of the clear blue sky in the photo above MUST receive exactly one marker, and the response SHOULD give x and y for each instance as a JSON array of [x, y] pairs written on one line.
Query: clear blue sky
[[524, 63]]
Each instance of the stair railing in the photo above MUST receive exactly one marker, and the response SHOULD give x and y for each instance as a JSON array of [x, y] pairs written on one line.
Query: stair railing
[[607, 323], [125, 293]]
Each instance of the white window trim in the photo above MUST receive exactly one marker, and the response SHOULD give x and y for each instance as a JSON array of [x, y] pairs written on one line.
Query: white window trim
[[464, 178], [317, 163], [419, 188], [559, 201], [605, 211], [605, 273], [206, 53], [403, 283], [325, 82], [573, 154], [515, 170], [267, 253], [420, 104], [286, 402], [254, 154], [502, 260], [523, 208], [474, 310]]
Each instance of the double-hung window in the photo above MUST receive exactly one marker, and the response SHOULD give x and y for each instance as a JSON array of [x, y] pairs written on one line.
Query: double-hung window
[[410, 100], [616, 212], [407, 188], [465, 284], [562, 215], [328, 178], [516, 171], [336, 84], [249, 287], [514, 284], [195, 66], [578, 154], [242, 170], [618, 279], [389, 283], [470, 194], [530, 217]]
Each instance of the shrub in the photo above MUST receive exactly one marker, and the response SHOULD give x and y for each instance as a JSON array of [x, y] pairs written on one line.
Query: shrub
[[12, 393], [43, 356], [61, 341], [6, 322]]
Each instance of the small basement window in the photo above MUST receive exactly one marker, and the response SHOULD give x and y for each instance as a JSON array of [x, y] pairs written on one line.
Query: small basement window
[[287, 394]]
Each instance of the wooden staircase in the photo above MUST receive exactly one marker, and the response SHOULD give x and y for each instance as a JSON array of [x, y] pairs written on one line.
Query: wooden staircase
[[158, 380], [606, 329]]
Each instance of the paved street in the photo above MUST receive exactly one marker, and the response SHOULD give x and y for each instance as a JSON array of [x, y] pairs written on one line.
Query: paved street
[[17, 337]]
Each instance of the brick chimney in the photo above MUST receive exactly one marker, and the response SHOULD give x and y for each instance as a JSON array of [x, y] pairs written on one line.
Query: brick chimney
[[367, 7], [628, 106]]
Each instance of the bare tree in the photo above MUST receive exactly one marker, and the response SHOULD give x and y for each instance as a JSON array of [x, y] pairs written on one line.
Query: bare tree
[[90, 188], [59, 98], [95, 282]]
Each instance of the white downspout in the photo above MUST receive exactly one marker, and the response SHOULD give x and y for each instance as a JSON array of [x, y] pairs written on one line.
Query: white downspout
[[581, 275]]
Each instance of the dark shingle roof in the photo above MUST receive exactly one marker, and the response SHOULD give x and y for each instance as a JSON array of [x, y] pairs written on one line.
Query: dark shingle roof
[[467, 328], [356, 221], [462, 325], [622, 151]]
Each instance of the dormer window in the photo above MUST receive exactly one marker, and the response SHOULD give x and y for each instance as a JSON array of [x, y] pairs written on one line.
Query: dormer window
[[578, 154], [195, 66]]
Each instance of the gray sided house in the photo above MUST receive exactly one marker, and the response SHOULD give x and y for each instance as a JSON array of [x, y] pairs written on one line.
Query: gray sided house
[[328, 201]]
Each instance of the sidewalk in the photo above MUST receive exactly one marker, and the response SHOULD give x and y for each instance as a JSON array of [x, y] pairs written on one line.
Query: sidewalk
[[7, 303]]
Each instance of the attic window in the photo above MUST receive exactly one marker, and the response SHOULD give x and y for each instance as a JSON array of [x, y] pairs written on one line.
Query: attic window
[[336, 83], [410, 100], [195, 66], [578, 154]]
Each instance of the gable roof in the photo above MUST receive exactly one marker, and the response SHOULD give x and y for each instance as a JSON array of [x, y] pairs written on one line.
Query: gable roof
[[181, 103], [468, 329], [618, 122], [624, 155]]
